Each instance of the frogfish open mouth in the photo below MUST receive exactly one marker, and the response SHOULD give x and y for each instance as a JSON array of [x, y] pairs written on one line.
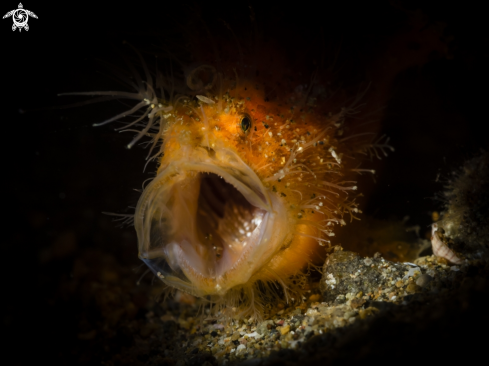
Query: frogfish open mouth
[[256, 164]]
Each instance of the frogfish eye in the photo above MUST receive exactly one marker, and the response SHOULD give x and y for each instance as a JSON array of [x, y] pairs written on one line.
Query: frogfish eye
[[245, 123]]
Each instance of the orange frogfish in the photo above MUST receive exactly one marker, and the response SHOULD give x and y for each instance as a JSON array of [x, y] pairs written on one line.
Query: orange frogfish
[[258, 150]]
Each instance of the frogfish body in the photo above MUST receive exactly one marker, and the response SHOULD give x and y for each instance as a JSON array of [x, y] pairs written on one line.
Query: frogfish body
[[257, 153]]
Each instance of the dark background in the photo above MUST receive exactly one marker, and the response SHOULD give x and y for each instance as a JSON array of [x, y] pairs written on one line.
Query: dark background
[[60, 173]]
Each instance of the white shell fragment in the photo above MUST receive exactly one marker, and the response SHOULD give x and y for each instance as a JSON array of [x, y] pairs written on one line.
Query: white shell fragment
[[412, 272], [255, 335]]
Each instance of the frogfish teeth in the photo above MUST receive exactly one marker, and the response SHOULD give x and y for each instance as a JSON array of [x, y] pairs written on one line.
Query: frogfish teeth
[[256, 167]]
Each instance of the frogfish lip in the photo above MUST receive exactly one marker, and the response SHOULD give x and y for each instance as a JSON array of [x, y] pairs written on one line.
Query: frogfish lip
[[207, 224]]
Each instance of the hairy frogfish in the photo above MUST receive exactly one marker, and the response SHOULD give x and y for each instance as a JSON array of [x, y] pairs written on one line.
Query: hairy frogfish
[[257, 145]]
